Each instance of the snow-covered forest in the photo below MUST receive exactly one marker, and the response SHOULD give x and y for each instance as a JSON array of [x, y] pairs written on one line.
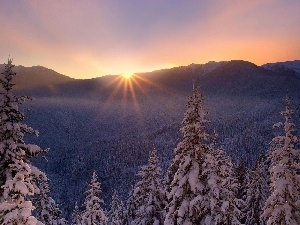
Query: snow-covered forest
[[201, 185]]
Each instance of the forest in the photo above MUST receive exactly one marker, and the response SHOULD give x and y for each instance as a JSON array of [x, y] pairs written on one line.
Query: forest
[[200, 185]]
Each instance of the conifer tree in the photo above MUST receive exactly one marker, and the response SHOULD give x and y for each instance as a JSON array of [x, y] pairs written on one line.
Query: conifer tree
[[130, 207], [149, 195], [221, 188], [116, 216], [76, 216], [186, 198], [93, 213], [257, 192], [283, 205], [18, 178], [47, 210], [242, 174]]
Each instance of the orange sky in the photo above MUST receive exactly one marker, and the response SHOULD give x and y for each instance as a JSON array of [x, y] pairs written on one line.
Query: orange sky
[[85, 39]]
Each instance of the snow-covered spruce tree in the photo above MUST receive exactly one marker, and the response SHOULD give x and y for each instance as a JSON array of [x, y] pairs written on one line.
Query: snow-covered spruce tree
[[17, 175], [186, 199], [129, 214], [93, 213], [116, 211], [47, 210], [221, 188], [283, 205], [76, 216], [149, 196], [257, 192], [242, 174]]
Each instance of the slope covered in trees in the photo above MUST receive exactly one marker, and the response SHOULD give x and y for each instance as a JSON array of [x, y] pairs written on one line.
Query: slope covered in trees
[[87, 129]]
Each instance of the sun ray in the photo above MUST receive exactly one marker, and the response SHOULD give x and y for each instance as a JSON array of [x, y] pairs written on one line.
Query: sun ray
[[152, 83], [126, 90], [138, 85], [114, 92], [128, 76], [134, 98]]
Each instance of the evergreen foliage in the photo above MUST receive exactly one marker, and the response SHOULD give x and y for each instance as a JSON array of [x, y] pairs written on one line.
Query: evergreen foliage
[[283, 206], [116, 213], [76, 216], [257, 192], [149, 196], [93, 213], [130, 207], [18, 178], [202, 186], [242, 174], [221, 188], [47, 210], [187, 203]]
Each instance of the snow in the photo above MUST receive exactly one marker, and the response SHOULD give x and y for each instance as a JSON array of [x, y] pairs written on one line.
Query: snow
[[291, 65], [282, 207]]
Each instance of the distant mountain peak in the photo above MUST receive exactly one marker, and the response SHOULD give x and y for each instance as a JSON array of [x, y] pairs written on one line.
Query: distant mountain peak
[[290, 67], [37, 76]]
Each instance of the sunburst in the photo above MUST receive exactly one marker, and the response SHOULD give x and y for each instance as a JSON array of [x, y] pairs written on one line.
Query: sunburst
[[128, 87], [127, 75]]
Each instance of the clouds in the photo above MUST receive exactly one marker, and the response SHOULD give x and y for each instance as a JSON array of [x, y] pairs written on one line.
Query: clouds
[[94, 38]]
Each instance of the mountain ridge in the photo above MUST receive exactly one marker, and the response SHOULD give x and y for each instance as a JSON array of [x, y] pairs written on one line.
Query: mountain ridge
[[36, 76], [290, 67], [39, 80]]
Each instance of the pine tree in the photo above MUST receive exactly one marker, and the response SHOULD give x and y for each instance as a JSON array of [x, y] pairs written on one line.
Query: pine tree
[[257, 192], [149, 195], [17, 176], [221, 188], [186, 198], [116, 216], [76, 216], [47, 210], [283, 206], [93, 214]]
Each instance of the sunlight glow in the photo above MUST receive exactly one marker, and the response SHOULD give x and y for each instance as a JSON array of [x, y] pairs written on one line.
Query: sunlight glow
[[129, 87], [127, 75], [127, 91]]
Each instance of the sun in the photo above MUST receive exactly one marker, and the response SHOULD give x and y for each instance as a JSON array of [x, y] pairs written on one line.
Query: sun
[[127, 75]]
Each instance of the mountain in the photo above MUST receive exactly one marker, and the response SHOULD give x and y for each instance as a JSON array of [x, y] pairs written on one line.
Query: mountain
[[109, 124], [37, 77], [288, 67]]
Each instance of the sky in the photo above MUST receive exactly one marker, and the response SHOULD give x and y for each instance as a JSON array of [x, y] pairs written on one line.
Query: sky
[[92, 38]]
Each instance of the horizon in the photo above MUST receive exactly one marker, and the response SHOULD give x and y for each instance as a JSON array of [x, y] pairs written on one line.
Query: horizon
[[138, 72], [92, 39]]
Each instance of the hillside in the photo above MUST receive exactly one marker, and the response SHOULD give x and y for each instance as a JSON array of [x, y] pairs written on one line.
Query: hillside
[[37, 77], [289, 67], [92, 124]]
